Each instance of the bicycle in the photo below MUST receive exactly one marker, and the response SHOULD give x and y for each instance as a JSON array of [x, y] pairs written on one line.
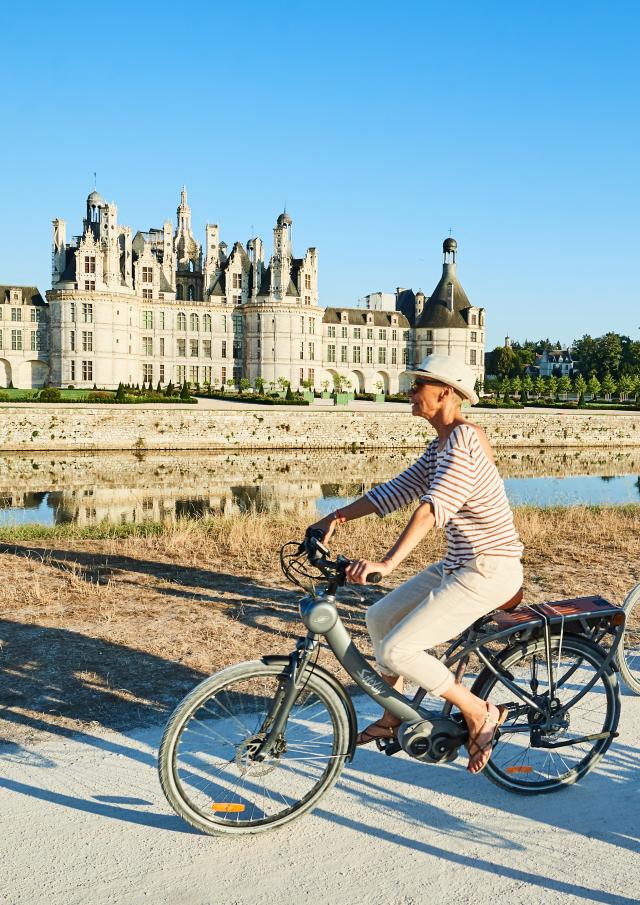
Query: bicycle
[[628, 654], [258, 744]]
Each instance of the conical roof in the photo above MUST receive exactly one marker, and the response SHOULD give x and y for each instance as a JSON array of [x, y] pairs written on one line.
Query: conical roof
[[436, 312]]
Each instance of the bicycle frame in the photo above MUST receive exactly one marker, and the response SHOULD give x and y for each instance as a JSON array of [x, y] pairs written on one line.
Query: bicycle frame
[[321, 618]]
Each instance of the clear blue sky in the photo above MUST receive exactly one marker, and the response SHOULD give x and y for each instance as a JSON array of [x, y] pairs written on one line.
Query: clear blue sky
[[381, 125]]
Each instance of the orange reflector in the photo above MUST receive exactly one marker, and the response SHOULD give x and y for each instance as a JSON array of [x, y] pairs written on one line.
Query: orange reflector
[[618, 619], [519, 769], [227, 808]]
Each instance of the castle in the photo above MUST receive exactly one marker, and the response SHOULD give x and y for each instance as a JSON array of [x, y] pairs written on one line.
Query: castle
[[156, 307]]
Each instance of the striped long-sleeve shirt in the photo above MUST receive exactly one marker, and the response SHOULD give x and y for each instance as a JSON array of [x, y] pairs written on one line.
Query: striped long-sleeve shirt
[[466, 494]]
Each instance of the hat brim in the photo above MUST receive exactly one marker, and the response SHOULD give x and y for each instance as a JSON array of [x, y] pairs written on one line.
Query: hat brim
[[471, 397]]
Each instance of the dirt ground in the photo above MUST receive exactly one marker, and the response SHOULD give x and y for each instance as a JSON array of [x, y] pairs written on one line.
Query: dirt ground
[[113, 632]]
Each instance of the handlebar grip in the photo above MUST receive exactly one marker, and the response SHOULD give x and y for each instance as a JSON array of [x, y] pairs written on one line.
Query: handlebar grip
[[374, 578]]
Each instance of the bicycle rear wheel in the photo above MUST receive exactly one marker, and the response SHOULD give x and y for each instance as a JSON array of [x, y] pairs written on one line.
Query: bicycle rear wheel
[[520, 765], [628, 653], [207, 770]]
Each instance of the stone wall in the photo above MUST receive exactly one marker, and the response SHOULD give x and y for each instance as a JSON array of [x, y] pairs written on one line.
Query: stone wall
[[84, 427]]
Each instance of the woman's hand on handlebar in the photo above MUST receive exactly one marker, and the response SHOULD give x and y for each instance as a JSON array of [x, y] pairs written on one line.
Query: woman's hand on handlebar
[[358, 570], [326, 525]]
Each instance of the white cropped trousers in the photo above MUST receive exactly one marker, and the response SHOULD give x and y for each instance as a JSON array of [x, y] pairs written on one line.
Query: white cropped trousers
[[434, 607]]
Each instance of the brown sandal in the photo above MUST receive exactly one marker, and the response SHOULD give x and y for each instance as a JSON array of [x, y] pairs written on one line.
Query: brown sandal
[[381, 733], [488, 745]]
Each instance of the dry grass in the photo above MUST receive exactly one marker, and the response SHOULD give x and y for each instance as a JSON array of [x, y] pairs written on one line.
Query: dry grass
[[113, 629]]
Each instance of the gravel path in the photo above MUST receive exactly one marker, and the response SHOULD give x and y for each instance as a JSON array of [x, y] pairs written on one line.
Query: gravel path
[[84, 821]]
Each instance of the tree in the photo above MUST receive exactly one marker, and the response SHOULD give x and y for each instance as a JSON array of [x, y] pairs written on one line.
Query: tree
[[527, 388], [608, 386], [120, 394], [609, 354], [539, 386], [259, 385], [231, 383], [552, 386], [625, 387], [283, 383], [184, 392], [479, 387], [594, 386], [244, 384], [289, 394], [505, 388], [564, 385], [159, 388], [516, 385], [169, 390], [506, 362], [580, 386]]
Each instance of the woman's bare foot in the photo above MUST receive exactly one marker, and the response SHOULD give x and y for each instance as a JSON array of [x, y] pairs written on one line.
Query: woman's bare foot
[[384, 728], [481, 735]]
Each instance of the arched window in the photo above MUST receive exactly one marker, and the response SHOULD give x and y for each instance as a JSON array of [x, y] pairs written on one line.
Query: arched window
[[194, 322], [179, 293], [181, 321], [206, 323], [191, 296]]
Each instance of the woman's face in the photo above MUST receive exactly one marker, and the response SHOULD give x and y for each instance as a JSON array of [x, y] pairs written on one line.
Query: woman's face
[[426, 397]]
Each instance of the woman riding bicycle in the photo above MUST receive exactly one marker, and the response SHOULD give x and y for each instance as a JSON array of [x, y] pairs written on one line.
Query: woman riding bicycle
[[458, 486]]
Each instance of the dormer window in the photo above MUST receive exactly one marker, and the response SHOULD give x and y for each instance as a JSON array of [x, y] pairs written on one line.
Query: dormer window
[[369, 318], [394, 320], [474, 320], [90, 264], [344, 317]]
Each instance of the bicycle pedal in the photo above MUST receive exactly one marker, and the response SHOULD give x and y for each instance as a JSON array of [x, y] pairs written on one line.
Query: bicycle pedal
[[389, 748]]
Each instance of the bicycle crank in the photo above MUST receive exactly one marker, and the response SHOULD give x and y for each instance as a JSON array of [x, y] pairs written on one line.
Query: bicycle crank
[[433, 741]]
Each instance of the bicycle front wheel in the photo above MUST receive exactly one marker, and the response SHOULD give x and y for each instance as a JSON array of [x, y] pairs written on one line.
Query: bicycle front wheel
[[207, 769], [628, 653], [530, 757]]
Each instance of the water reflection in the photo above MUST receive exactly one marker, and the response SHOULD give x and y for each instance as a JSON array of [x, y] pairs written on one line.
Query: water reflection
[[85, 489]]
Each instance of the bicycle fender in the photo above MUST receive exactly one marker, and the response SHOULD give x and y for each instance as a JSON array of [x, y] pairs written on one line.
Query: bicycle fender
[[339, 690]]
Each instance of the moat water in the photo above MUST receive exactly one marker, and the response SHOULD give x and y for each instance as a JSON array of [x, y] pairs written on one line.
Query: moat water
[[86, 489]]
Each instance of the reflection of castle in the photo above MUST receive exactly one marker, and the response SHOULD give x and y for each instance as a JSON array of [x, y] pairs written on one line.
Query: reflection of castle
[[158, 307]]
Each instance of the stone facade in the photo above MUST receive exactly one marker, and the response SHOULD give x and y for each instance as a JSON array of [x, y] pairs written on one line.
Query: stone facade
[[157, 307], [24, 337]]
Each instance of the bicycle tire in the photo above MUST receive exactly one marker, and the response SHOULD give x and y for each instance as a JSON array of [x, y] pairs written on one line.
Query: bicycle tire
[[512, 759], [628, 653], [253, 681]]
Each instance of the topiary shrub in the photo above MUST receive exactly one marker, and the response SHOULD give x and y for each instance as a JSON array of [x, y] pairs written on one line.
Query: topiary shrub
[[49, 394]]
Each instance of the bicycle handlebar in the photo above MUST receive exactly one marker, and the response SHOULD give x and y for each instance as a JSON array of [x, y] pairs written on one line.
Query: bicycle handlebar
[[318, 555]]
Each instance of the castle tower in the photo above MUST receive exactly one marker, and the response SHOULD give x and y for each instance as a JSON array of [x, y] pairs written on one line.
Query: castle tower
[[281, 260]]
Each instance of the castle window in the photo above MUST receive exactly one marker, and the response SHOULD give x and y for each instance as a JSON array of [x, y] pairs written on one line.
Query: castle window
[[237, 349], [16, 314], [343, 354], [474, 319], [237, 281], [72, 370], [162, 320], [147, 373], [224, 323], [72, 340], [405, 356], [179, 293], [301, 351], [429, 350], [302, 325], [472, 357], [474, 336], [343, 332], [36, 314], [194, 322], [312, 351], [223, 375], [90, 264], [405, 335], [206, 323], [307, 299], [307, 281], [206, 348], [181, 348], [36, 341], [369, 333], [181, 321], [206, 374], [382, 356], [301, 375], [147, 320], [1, 345], [382, 334], [331, 331], [193, 348], [356, 355], [369, 355], [237, 300], [224, 348], [87, 312], [161, 373], [162, 345], [429, 335], [357, 332], [191, 294], [87, 341], [181, 374], [147, 293], [312, 325], [331, 353], [394, 336], [193, 374], [147, 346], [147, 274], [89, 285], [394, 356], [87, 370]]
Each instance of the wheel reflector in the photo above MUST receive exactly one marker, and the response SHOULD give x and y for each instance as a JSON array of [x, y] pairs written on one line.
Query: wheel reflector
[[227, 808], [519, 769]]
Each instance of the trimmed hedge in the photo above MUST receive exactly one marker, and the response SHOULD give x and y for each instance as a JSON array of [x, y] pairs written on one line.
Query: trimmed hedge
[[248, 397]]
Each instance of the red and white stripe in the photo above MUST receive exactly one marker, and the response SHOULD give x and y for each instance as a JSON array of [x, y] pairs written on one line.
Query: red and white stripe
[[466, 494]]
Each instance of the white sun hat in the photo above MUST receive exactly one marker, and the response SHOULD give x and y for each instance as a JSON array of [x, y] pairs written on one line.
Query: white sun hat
[[450, 371]]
